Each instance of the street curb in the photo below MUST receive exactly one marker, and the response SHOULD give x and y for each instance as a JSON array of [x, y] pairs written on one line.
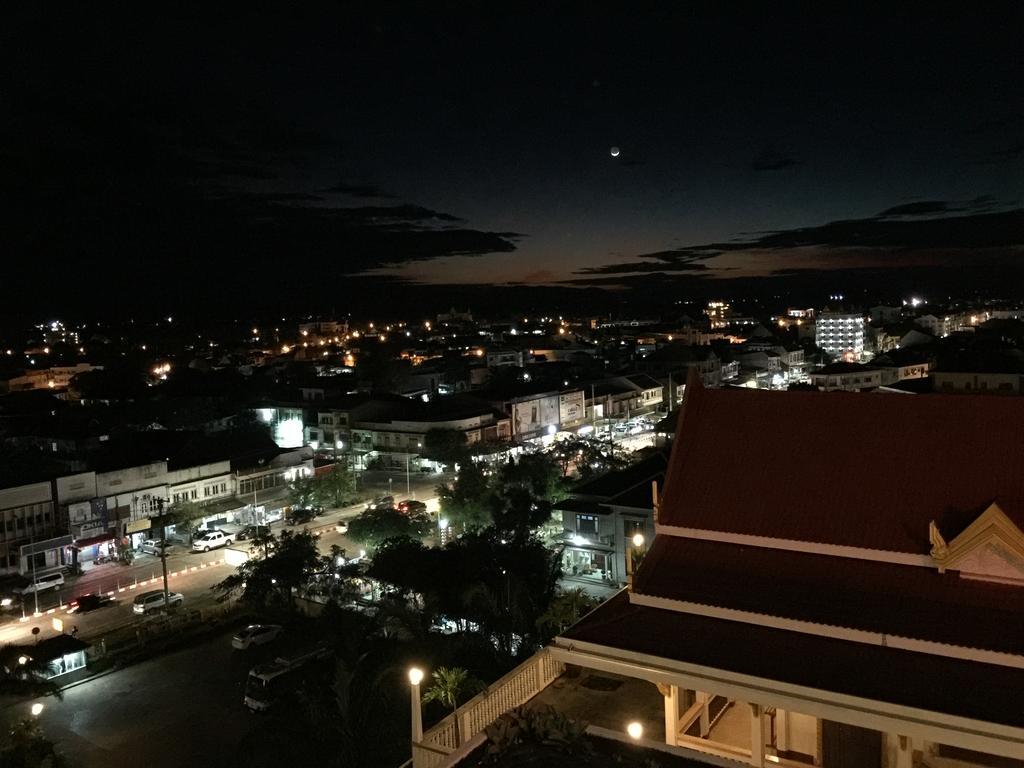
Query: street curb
[[90, 678]]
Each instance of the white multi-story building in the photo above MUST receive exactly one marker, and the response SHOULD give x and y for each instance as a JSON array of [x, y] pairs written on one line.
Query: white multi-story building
[[841, 334], [30, 534]]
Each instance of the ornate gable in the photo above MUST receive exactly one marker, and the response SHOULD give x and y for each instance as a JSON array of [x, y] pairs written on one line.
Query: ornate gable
[[991, 548]]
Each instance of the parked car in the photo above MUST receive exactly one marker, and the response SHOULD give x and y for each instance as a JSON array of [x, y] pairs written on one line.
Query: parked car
[[300, 516], [42, 583], [341, 526], [153, 546], [255, 634], [252, 532], [90, 602], [412, 507], [211, 540], [150, 601]]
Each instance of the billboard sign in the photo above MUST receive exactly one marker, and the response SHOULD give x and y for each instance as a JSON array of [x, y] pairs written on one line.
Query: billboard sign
[[571, 408], [533, 417]]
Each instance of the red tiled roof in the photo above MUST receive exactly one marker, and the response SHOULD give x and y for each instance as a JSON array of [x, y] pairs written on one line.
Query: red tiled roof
[[903, 600], [934, 683], [862, 470]]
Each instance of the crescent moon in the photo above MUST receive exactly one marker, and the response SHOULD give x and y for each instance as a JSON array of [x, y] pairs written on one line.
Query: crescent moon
[[615, 151]]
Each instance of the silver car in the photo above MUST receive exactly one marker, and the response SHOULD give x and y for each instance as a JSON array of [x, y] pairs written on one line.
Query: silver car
[[255, 634], [150, 601]]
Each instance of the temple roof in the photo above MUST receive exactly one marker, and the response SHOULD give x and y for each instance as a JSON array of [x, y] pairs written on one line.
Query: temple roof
[[842, 468]]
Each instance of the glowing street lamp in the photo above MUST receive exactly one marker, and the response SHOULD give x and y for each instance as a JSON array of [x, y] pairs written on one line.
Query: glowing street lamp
[[635, 730], [37, 709], [415, 678]]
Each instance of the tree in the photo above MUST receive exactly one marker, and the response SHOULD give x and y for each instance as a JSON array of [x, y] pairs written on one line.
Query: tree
[[566, 609], [524, 493], [183, 514], [587, 457], [292, 562], [465, 502], [25, 746], [336, 487], [302, 491], [447, 446], [377, 525], [503, 586], [450, 685]]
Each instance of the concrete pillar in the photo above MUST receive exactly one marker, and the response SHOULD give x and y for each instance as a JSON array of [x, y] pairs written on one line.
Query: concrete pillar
[[705, 716], [756, 736], [671, 697], [781, 730], [904, 752], [417, 721]]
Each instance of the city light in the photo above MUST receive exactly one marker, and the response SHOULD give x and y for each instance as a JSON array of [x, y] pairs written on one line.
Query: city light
[[415, 675], [37, 709], [635, 730], [638, 540]]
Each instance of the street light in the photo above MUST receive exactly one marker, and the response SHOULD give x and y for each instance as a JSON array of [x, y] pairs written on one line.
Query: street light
[[408, 491], [37, 709], [635, 730], [415, 678], [638, 540]]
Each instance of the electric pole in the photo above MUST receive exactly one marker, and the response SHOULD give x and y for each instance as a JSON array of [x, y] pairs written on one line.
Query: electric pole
[[163, 548]]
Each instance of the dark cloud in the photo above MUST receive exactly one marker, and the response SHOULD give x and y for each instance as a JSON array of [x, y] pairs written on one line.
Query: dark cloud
[[358, 190], [771, 160], [980, 204], [642, 266], [1004, 155], [922, 208], [995, 124], [912, 230]]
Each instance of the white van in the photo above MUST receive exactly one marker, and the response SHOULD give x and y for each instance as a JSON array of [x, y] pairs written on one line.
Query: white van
[[42, 583]]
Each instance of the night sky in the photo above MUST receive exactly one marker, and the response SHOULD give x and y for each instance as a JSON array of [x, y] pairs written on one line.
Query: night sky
[[345, 155]]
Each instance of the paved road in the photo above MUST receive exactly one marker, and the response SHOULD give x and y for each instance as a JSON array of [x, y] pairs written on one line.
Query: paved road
[[191, 574], [183, 709]]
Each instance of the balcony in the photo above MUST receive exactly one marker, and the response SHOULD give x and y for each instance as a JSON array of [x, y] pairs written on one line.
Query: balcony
[[446, 743]]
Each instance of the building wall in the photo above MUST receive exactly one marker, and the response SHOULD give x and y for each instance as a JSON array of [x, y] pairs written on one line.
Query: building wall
[[799, 733], [840, 334], [26, 514], [979, 383]]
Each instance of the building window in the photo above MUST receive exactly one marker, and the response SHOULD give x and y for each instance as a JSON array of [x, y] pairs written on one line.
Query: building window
[[631, 528], [586, 525]]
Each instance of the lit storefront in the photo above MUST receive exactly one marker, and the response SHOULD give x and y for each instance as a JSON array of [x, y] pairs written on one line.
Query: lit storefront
[[95, 550]]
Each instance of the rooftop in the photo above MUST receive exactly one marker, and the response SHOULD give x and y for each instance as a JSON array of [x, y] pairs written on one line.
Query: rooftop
[[935, 683], [878, 469]]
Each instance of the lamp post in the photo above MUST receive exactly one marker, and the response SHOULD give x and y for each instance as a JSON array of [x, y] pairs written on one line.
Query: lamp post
[[634, 556], [635, 730], [37, 709], [408, 491], [415, 678]]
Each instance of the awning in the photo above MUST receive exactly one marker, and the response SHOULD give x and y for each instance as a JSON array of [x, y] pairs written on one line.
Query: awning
[[44, 546], [82, 543]]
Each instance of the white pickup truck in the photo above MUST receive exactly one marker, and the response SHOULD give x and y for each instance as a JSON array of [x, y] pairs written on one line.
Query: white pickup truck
[[211, 540]]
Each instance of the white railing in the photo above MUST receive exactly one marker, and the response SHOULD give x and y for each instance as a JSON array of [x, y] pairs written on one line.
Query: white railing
[[515, 688]]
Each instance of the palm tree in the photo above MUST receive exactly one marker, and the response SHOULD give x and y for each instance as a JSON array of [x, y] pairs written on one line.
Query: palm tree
[[450, 685]]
